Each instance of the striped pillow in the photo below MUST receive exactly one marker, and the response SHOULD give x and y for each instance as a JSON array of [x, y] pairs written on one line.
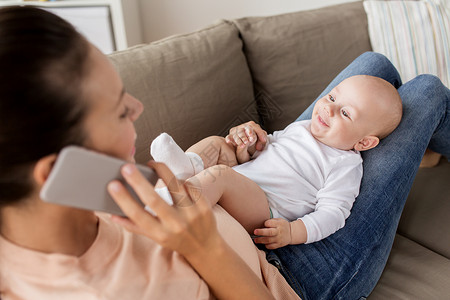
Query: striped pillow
[[414, 35]]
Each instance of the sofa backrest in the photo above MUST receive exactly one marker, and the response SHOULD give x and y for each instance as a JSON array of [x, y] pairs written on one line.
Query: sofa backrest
[[292, 57], [192, 86], [266, 69]]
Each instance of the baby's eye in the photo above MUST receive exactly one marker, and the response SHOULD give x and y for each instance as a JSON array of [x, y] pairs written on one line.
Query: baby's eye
[[331, 98], [345, 114]]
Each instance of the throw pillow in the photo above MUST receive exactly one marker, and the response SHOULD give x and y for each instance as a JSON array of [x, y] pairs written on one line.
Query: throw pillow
[[414, 35]]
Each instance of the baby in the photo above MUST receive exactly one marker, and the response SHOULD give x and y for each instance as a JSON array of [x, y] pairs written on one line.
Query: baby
[[301, 187]]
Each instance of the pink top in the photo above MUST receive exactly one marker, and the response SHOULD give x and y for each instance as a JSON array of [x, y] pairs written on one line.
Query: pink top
[[122, 265]]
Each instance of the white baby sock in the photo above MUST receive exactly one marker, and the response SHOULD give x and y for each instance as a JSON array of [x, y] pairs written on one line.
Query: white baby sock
[[183, 165]]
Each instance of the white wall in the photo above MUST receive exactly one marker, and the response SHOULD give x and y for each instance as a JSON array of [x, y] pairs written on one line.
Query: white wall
[[162, 18]]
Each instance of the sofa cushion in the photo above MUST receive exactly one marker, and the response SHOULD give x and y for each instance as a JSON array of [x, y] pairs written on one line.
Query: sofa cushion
[[191, 85], [425, 218], [413, 272], [293, 57]]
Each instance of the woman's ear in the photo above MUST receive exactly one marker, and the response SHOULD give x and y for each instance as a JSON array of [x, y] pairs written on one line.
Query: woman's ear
[[367, 142], [43, 167]]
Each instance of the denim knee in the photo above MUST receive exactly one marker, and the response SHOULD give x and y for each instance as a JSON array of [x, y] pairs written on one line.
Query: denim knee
[[376, 64], [429, 99], [433, 92], [378, 57], [428, 80]]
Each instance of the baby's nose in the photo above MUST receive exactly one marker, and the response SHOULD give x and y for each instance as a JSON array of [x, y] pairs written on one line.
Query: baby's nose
[[329, 109]]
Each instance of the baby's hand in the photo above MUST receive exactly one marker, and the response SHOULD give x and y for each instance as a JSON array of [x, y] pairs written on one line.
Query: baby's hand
[[246, 150], [242, 137], [276, 234], [239, 136]]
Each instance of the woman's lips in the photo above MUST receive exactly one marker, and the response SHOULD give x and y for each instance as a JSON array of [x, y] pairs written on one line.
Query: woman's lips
[[133, 151]]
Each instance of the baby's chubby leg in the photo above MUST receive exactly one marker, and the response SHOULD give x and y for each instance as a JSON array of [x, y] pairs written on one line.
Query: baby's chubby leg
[[238, 195], [208, 152]]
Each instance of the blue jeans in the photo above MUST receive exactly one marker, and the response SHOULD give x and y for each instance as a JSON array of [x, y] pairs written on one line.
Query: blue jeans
[[348, 264]]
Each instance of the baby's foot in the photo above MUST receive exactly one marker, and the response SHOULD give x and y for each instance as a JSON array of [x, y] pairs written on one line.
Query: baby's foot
[[183, 165]]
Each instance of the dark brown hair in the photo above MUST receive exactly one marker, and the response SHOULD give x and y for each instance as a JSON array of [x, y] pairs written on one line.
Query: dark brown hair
[[42, 64]]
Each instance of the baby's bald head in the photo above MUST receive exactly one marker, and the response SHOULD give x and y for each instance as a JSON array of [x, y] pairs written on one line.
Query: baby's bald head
[[357, 113], [388, 109]]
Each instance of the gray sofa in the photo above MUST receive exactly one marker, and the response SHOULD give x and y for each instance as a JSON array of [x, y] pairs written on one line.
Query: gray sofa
[[269, 69]]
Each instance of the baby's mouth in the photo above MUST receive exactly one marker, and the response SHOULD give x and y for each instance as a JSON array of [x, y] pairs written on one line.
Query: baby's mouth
[[322, 121]]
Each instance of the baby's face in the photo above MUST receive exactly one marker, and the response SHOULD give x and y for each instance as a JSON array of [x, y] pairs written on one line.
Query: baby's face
[[348, 113]]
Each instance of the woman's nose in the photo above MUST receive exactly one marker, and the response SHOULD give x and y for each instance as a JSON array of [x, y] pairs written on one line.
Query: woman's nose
[[137, 107]]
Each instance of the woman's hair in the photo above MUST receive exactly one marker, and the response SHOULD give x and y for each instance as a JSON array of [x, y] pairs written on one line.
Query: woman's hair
[[43, 60]]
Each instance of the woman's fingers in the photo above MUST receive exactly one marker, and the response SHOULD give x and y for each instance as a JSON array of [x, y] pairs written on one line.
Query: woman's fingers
[[138, 217], [181, 227], [177, 190], [145, 190]]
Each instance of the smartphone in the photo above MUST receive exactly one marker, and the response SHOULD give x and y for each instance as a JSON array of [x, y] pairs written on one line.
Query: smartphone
[[80, 176]]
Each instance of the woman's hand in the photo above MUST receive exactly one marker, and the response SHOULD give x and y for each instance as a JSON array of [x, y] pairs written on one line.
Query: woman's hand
[[189, 228], [247, 133], [183, 227]]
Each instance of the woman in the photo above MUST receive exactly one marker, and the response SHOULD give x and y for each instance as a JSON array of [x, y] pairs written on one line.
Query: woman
[[56, 90], [66, 92]]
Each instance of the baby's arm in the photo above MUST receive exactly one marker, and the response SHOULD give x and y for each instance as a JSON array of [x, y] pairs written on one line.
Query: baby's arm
[[279, 233], [334, 200]]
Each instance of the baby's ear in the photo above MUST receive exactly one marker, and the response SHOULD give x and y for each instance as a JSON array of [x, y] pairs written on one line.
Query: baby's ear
[[367, 142]]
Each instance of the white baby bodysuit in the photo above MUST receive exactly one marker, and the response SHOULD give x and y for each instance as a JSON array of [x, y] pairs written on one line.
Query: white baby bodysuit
[[306, 179]]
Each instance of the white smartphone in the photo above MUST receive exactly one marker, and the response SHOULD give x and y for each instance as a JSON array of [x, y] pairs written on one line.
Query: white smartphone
[[79, 179]]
